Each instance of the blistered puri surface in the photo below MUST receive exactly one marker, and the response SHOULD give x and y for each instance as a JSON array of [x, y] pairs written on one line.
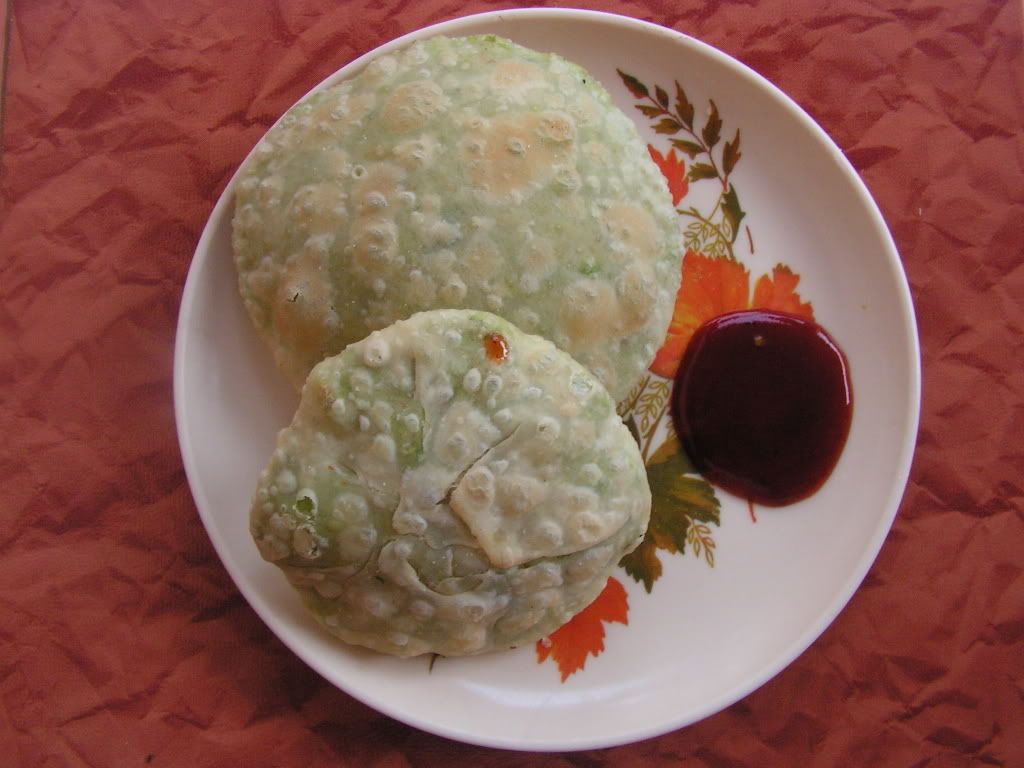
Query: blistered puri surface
[[459, 173], [430, 496]]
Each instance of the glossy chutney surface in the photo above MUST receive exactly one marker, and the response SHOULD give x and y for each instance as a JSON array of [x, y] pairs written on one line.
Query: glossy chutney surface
[[763, 405]]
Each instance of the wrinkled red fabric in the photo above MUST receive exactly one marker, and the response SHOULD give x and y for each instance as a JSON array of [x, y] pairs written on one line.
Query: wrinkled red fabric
[[124, 641]]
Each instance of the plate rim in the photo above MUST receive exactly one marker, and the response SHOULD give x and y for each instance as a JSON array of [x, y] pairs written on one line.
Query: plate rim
[[842, 597]]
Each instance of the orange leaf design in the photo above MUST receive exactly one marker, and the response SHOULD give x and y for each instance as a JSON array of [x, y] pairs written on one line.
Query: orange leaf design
[[779, 293], [710, 287], [583, 636], [674, 170], [670, 354]]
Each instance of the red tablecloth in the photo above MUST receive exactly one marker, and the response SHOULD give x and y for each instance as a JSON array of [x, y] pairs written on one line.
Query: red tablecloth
[[124, 641]]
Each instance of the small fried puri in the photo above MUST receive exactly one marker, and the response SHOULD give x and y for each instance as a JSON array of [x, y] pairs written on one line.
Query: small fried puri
[[452, 485]]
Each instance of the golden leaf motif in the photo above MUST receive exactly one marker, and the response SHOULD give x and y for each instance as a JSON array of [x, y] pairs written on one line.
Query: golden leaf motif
[[699, 537], [624, 407]]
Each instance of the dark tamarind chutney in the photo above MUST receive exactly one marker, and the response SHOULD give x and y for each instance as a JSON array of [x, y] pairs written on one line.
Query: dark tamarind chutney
[[762, 405]]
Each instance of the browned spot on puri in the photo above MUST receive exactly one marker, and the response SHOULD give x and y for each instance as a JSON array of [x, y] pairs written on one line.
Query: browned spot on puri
[[496, 347]]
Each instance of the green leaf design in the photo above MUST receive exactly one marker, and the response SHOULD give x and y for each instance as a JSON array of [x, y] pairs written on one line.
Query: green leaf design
[[680, 501], [678, 493], [731, 153], [683, 107], [670, 450], [691, 148], [667, 125], [661, 97], [700, 171], [712, 128], [697, 496], [642, 564], [732, 211], [638, 89]]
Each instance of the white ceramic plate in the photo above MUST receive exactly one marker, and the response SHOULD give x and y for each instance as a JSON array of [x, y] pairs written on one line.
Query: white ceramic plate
[[705, 636]]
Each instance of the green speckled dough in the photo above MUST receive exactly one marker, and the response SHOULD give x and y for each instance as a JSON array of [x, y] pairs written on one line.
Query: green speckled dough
[[466, 172], [427, 498]]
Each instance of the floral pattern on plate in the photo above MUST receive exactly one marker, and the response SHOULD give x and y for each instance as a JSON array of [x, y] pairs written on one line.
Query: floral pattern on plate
[[685, 507]]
